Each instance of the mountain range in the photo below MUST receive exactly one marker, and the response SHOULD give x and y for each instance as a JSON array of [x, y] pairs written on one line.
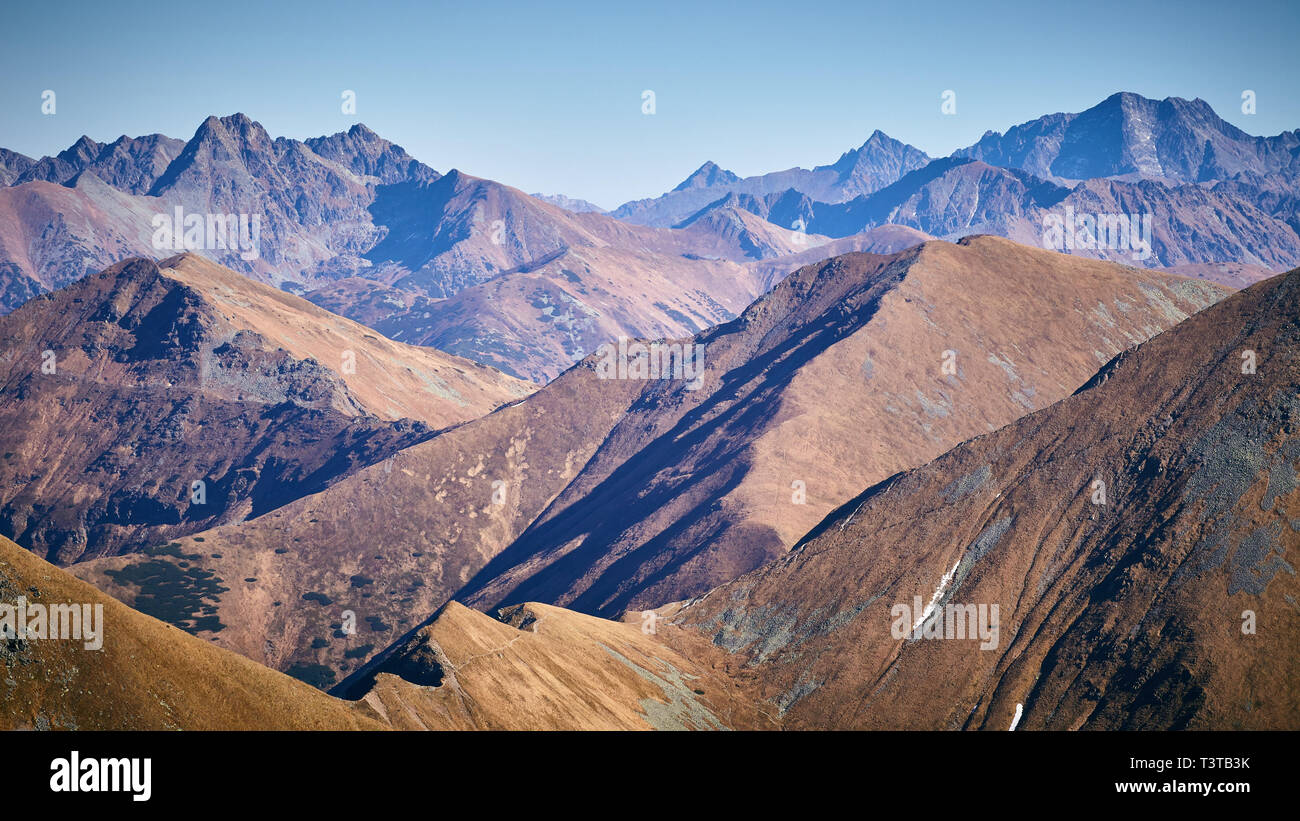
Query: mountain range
[[878, 162], [530, 285], [1122, 610], [601, 494], [353, 206], [1122, 530], [1215, 193], [883, 444]]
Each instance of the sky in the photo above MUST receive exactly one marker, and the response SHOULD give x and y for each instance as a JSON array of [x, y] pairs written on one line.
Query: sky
[[549, 97]]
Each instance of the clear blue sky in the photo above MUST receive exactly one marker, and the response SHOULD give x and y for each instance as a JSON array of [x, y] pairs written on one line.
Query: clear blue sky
[[546, 96]]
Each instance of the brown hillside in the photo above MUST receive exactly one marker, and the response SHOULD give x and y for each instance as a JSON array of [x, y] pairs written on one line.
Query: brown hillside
[[147, 676], [624, 492], [546, 668], [157, 377], [391, 545], [836, 377], [1125, 614]]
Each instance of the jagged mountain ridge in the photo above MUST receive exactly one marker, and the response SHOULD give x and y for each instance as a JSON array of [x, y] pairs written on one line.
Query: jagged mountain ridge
[[354, 206], [879, 161], [1176, 140], [1216, 195]]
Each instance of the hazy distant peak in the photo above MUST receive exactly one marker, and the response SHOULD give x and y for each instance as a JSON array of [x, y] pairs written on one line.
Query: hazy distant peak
[[577, 206], [707, 176], [1127, 134], [880, 156]]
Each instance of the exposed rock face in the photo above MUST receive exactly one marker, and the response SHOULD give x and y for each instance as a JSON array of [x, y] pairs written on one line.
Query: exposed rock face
[[131, 165], [1140, 539], [1177, 140], [12, 165], [366, 154]]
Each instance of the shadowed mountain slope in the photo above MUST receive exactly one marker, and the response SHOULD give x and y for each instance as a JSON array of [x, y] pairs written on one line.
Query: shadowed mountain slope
[[1139, 538], [838, 375], [122, 390], [389, 545], [530, 288], [608, 493]]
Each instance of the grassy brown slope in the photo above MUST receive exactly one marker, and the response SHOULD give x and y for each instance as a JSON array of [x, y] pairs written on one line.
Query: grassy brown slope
[[647, 491], [832, 380], [391, 543], [1126, 615], [546, 668], [526, 286], [147, 676], [883, 239]]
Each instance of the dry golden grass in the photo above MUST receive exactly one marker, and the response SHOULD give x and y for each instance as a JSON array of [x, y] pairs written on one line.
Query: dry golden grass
[[557, 670], [1122, 612], [148, 675]]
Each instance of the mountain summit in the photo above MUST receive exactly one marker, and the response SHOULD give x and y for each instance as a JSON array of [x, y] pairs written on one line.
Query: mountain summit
[[1177, 140], [708, 175]]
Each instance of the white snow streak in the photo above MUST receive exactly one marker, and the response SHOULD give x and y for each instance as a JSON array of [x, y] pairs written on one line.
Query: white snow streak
[[934, 600]]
